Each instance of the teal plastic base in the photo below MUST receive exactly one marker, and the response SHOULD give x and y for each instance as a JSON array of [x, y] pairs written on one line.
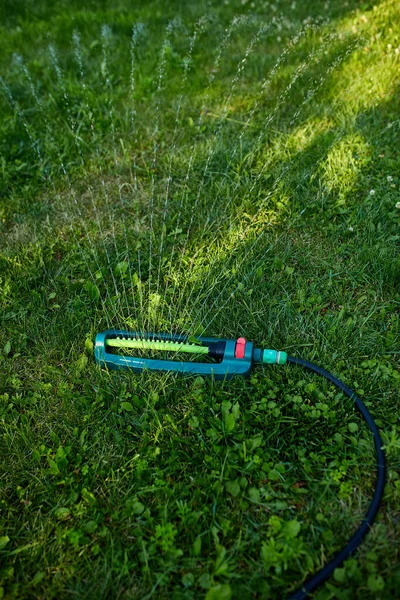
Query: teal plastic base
[[226, 369]]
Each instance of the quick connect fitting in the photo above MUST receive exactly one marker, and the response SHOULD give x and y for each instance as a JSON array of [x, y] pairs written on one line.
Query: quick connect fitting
[[269, 357]]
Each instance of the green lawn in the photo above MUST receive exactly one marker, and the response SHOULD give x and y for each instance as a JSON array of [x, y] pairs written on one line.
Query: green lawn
[[226, 168]]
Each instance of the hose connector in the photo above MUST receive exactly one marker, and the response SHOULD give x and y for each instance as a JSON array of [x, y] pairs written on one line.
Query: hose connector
[[269, 357]]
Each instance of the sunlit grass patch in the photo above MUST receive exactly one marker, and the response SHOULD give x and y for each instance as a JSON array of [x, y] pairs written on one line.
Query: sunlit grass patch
[[342, 166]]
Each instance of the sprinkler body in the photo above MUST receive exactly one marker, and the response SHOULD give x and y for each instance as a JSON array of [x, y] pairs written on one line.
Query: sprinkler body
[[226, 358]]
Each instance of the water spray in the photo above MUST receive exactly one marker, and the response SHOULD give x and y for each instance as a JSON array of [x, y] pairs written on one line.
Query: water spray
[[221, 358]]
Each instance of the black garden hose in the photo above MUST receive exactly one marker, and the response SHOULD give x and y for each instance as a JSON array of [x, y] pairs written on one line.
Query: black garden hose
[[316, 580]]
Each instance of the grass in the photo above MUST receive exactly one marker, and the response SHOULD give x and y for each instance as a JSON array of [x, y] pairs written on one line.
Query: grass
[[197, 192]]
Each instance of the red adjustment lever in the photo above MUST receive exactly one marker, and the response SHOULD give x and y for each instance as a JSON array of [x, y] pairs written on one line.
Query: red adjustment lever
[[240, 348]]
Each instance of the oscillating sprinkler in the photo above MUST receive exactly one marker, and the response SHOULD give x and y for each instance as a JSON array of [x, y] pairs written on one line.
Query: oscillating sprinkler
[[213, 357], [223, 359]]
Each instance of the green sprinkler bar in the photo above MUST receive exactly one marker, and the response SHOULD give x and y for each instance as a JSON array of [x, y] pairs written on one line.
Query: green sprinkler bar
[[166, 346]]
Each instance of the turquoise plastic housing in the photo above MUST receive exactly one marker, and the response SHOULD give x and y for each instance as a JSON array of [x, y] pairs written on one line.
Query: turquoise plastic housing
[[226, 369]]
